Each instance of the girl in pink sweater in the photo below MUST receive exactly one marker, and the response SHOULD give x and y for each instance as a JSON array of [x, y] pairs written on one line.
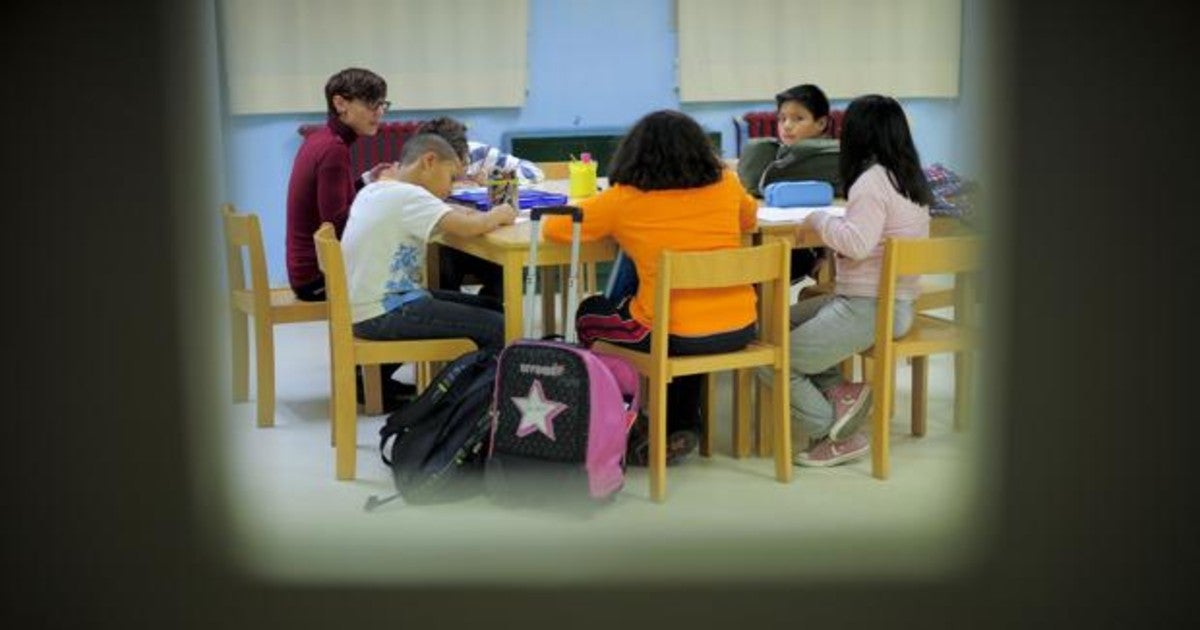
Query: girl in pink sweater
[[887, 196]]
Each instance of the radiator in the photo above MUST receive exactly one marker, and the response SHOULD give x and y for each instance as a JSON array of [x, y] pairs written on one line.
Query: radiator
[[763, 124], [384, 146]]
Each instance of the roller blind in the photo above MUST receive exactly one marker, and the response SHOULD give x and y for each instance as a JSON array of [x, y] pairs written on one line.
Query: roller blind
[[434, 55], [751, 49]]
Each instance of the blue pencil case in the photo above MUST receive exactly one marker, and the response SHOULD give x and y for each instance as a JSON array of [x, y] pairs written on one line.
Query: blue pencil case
[[807, 193]]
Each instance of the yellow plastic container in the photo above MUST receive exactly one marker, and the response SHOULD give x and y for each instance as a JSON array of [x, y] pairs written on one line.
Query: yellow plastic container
[[582, 179]]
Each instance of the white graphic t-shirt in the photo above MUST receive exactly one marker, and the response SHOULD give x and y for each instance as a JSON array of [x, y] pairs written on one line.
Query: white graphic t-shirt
[[384, 244]]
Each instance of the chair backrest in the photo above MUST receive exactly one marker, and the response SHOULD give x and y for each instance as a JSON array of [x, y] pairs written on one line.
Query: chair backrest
[[761, 264], [333, 265], [242, 230], [909, 257], [555, 170]]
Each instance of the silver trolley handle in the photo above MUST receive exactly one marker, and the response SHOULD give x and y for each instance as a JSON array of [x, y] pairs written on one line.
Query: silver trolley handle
[[535, 218]]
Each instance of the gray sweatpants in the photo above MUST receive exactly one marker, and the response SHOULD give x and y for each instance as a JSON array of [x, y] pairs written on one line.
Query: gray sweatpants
[[826, 330]]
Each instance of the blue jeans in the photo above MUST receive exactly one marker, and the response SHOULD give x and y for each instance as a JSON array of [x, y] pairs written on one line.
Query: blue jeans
[[442, 315]]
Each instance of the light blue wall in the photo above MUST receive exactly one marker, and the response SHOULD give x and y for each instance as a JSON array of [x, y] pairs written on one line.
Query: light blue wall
[[583, 73]]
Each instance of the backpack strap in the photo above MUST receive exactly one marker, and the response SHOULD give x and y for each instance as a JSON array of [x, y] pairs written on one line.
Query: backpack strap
[[425, 402]]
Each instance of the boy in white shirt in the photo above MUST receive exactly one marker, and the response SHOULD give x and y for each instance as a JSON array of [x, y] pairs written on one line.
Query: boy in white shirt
[[385, 240]]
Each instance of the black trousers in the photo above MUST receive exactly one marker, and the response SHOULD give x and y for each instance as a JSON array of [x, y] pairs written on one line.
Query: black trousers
[[599, 319], [312, 292], [454, 266]]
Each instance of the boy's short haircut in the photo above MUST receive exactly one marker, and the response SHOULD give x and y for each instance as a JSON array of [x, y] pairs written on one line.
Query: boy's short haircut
[[353, 83], [808, 95], [453, 131], [423, 143]]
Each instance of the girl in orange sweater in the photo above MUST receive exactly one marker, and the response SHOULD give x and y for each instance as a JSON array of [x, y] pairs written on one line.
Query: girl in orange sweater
[[668, 191]]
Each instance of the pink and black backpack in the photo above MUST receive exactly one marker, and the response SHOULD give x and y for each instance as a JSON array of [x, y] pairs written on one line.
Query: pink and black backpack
[[561, 413]]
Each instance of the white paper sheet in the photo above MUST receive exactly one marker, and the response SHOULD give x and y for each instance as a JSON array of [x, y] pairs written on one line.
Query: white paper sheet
[[795, 215]]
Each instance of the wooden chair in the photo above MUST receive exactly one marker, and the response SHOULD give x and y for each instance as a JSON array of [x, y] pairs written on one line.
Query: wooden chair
[[932, 297], [765, 264], [253, 298], [555, 170], [347, 351], [929, 334]]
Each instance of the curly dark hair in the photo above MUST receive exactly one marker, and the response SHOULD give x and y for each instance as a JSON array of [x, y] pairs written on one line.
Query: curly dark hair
[[454, 131], [665, 150], [875, 131], [353, 83]]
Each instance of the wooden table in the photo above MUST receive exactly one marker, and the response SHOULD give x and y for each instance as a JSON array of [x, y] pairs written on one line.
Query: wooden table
[[508, 247]]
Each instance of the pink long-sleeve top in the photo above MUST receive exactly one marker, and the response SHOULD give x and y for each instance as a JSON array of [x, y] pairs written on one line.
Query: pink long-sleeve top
[[875, 210]]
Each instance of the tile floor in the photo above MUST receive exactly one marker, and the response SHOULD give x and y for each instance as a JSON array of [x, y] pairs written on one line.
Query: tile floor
[[288, 519]]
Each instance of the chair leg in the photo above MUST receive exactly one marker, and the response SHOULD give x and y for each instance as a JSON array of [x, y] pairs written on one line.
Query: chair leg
[[920, 380], [239, 333], [372, 390], [658, 441], [710, 404], [425, 371], [741, 415], [783, 427], [589, 276], [334, 394], [880, 413], [766, 411], [848, 368], [264, 364], [344, 421], [963, 373]]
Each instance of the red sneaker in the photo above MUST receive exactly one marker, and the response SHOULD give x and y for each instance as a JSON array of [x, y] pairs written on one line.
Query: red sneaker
[[828, 452], [850, 404]]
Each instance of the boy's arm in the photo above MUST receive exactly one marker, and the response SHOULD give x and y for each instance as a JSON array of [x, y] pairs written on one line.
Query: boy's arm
[[462, 222], [483, 158]]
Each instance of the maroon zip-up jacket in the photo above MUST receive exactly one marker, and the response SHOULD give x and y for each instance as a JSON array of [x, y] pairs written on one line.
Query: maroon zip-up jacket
[[320, 189]]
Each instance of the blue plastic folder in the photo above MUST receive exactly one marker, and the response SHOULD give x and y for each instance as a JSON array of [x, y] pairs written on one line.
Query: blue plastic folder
[[798, 194], [528, 199]]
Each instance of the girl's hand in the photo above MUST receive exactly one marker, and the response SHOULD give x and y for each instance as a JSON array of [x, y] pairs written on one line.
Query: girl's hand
[[807, 224]]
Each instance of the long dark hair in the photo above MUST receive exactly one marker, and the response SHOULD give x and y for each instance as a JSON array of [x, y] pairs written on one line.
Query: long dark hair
[[665, 150], [875, 131]]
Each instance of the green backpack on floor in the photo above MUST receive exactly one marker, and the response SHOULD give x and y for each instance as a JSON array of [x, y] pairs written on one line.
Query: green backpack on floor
[[767, 160]]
